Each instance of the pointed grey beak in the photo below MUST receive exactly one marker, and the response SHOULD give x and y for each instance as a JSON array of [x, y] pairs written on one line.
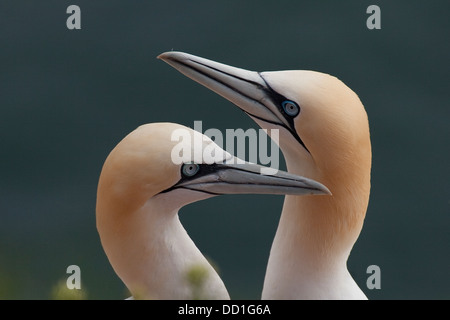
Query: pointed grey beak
[[217, 179], [246, 89]]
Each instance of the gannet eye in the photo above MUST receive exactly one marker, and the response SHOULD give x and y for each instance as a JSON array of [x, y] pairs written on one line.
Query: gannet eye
[[291, 108], [190, 169]]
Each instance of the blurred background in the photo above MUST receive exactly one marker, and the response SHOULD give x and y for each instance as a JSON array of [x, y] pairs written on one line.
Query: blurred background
[[67, 97]]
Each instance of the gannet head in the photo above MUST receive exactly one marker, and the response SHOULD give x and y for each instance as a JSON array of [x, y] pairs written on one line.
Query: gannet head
[[160, 159], [323, 125], [148, 177], [324, 131], [324, 135]]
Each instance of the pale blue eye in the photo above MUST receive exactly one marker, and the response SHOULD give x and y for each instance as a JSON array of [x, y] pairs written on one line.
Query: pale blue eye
[[291, 108], [190, 169]]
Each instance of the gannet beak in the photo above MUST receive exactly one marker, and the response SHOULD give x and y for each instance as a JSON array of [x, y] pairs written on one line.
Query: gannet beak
[[246, 89], [246, 178]]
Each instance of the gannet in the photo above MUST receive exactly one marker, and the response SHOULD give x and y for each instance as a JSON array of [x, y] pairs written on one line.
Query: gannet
[[324, 135], [140, 191]]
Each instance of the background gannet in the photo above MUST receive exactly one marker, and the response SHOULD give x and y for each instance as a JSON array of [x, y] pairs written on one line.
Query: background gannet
[[324, 135], [140, 191]]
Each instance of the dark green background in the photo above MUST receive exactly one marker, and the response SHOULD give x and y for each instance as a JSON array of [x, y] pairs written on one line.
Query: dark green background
[[68, 96]]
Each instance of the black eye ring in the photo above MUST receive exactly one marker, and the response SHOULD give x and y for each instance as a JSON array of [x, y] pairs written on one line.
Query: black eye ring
[[291, 108], [190, 169]]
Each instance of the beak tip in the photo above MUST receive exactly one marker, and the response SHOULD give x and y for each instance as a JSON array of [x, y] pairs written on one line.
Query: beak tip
[[321, 190], [162, 56], [327, 191], [173, 55]]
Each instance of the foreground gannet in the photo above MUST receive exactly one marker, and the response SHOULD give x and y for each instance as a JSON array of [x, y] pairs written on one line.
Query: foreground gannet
[[141, 189], [324, 135]]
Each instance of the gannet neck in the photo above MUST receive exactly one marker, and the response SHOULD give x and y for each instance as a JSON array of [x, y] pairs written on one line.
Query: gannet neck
[[149, 248], [309, 252], [316, 234]]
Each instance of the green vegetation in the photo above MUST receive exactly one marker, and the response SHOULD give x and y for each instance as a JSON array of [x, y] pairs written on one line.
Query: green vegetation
[[196, 277], [60, 291]]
